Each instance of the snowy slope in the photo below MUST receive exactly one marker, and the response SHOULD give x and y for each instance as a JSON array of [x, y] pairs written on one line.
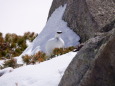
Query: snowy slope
[[1, 62], [47, 73], [54, 24]]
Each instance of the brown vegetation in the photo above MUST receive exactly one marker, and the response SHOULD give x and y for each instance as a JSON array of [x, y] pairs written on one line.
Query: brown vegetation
[[13, 45], [41, 56]]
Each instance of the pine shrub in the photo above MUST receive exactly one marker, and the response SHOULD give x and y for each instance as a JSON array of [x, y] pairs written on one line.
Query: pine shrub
[[60, 51], [14, 44], [26, 59], [41, 56], [38, 57], [10, 63]]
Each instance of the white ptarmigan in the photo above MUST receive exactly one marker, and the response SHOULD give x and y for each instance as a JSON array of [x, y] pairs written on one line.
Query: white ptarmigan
[[56, 42]]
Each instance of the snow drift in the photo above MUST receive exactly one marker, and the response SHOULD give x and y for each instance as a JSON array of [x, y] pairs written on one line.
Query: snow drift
[[47, 73]]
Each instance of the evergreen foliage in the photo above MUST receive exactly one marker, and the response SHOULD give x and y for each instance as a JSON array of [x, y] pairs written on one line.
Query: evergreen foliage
[[38, 57], [41, 56], [13, 45], [60, 51], [10, 63]]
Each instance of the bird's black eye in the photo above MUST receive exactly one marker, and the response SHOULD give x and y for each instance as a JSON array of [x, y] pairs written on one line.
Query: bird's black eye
[[59, 32]]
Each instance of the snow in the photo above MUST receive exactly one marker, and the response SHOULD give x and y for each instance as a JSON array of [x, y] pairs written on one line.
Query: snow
[[6, 70], [28, 42], [1, 62], [54, 24], [48, 73]]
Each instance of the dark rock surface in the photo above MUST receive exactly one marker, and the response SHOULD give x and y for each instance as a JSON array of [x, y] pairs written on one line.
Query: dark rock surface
[[56, 4], [94, 65], [94, 22], [103, 11], [102, 70], [86, 17], [80, 19]]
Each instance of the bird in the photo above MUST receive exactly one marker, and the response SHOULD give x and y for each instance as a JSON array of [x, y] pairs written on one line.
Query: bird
[[56, 42]]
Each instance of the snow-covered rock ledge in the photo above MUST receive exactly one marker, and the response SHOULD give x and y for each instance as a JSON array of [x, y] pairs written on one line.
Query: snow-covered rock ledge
[[47, 73]]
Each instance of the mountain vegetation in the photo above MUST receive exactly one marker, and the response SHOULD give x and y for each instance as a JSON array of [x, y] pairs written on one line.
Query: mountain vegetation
[[41, 56], [13, 45]]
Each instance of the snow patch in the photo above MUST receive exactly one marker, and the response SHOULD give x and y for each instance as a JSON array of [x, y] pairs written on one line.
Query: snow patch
[[48, 73], [28, 42], [6, 70], [1, 62]]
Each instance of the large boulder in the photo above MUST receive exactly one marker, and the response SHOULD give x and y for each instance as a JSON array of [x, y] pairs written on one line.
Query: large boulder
[[94, 22], [94, 65], [86, 17]]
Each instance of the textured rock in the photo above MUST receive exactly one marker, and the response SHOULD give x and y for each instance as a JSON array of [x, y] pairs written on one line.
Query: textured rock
[[102, 70], [56, 4], [94, 21], [80, 20], [103, 11], [86, 17], [94, 65]]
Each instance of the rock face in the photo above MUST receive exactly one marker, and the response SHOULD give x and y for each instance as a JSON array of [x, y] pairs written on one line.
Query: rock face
[[94, 21], [86, 17], [94, 65]]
